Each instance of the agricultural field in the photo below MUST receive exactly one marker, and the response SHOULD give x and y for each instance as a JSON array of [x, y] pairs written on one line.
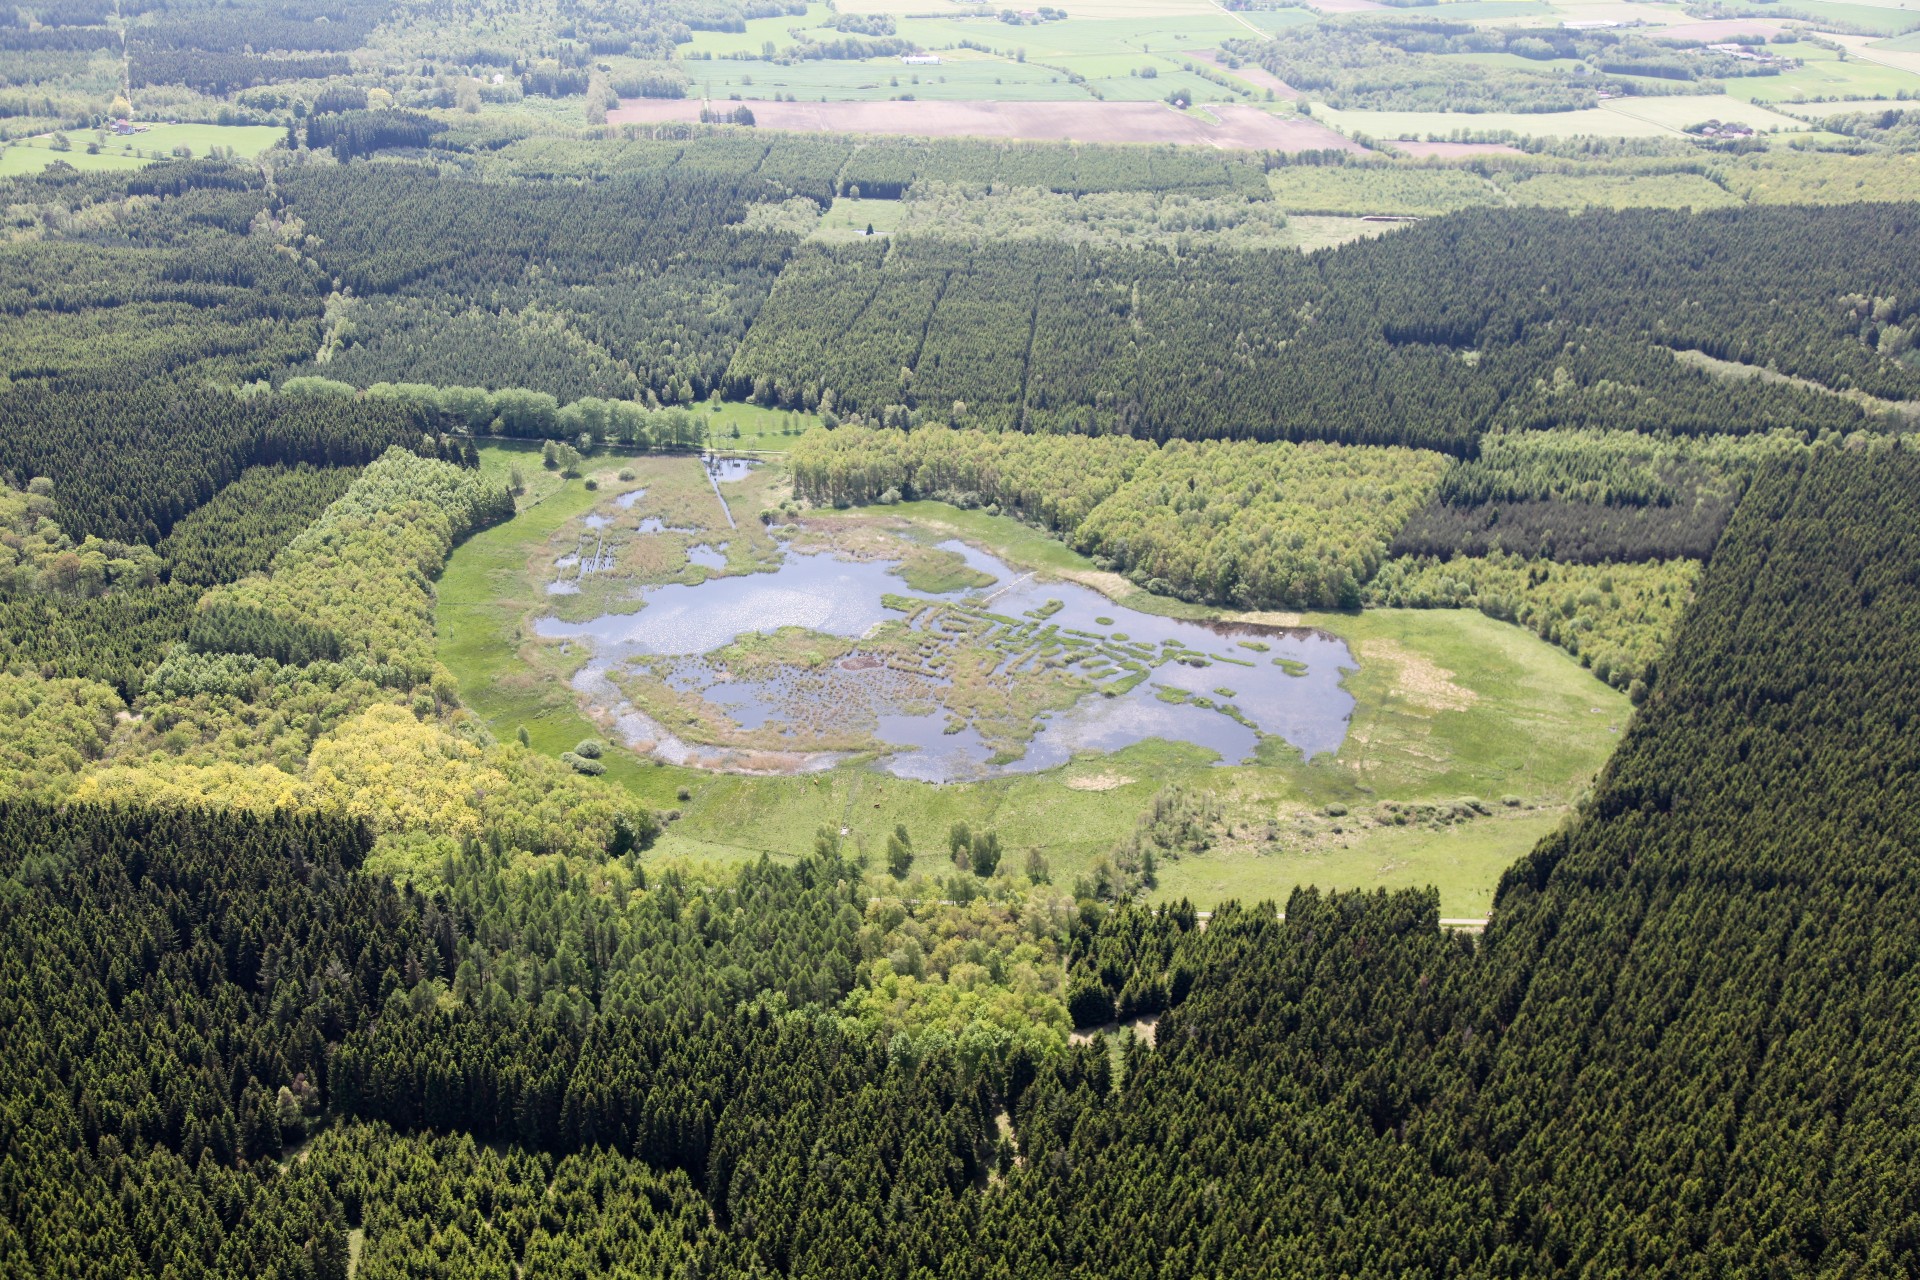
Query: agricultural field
[[1225, 126], [1624, 118], [1825, 74], [965, 76]]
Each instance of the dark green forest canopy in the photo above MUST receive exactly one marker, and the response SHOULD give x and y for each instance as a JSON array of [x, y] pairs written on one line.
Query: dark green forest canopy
[[1425, 338], [654, 287], [1682, 1039], [1685, 1042]]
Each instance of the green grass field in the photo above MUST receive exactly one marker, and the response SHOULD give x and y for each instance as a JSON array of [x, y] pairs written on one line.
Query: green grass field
[[1879, 19], [22, 157], [30, 155], [962, 76], [1450, 705], [734, 425], [848, 219], [759, 31], [1824, 75], [1662, 117]]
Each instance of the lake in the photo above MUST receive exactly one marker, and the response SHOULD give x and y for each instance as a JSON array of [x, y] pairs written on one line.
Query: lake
[[1217, 686]]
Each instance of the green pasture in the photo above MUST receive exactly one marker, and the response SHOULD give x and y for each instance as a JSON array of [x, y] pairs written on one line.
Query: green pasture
[[964, 77], [733, 424], [1876, 19], [1680, 110], [30, 155], [1464, 862], [848, 219], [26, 157], [1842, 107], [1825, 75], [759, 31]]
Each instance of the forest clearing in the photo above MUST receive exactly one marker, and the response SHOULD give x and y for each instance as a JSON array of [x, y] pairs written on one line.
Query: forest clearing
[[1438, 696]]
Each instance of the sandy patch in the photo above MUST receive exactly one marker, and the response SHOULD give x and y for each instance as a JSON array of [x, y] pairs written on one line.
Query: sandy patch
[[1264, 618], [1419, 679], [1237, 127], [1098, 782], [1111, 585]]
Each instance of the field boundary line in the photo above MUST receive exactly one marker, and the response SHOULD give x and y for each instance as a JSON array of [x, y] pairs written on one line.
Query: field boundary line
[[1242, 21]]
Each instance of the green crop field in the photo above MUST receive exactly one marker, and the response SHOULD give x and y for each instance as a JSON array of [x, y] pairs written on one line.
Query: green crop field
[[964, 77], [1887, 19], [24, 157], [1825, 75]]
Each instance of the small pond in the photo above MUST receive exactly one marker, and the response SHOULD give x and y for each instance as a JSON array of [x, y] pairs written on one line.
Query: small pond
[[1218, 686]]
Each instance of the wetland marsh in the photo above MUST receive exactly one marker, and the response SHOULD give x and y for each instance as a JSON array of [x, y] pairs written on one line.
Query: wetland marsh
[[805, 668]]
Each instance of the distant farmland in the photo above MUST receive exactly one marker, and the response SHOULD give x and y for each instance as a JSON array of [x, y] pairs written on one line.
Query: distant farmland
[[1237, 127]]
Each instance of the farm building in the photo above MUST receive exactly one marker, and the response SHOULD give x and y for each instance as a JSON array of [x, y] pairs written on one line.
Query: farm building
[[921, 59]]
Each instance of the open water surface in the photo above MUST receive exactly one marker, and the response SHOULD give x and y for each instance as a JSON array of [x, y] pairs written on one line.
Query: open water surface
[[843, 598]]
